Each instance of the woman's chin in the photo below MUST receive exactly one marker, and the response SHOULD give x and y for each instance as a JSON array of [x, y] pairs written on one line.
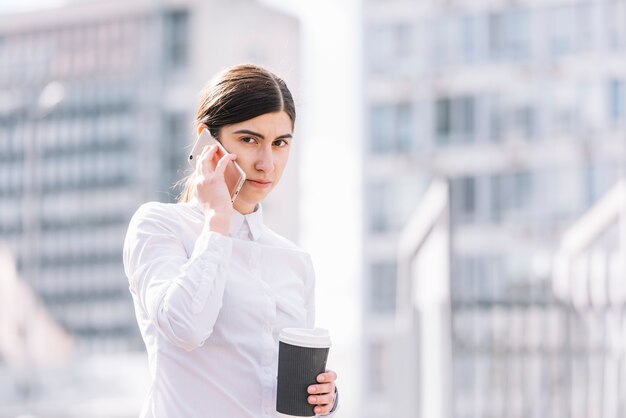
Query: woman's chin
[[245, 204]]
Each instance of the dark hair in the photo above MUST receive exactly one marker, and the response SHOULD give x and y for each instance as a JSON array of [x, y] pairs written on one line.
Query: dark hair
[[239, 93]]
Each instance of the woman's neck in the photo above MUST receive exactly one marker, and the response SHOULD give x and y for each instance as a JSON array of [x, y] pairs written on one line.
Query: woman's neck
[[243, 207]]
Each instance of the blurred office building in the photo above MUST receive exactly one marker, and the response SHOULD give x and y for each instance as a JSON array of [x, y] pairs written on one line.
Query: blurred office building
[[97, 103], [499, 126]]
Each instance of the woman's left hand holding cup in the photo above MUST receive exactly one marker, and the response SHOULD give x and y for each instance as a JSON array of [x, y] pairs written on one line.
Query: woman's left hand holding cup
[[322, 395]]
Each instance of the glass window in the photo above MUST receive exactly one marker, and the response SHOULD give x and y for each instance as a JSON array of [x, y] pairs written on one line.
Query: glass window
[[511, 195], [470, 26], [383, 287], [563, 102], [378, 220], [390, 45], [509, 34], [443, 45], [463, 195], [523, 123], [563, 30], [617, 100], [570, 28], [392, 128], [177, 39], [455, 119], [391, 203], [616, 23], [443, 119]]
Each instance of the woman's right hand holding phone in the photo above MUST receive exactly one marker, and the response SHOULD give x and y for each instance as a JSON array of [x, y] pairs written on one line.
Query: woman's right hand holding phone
[[211, 189]]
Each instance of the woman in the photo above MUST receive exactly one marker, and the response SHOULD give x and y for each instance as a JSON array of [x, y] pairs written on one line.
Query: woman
[[211, 284]]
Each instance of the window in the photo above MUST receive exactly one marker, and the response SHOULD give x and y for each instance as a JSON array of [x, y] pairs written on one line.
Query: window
[[456, 39], [392, 128], [470, 26], [511, 195], [564, 108], [176, 39], [391, 45], [509, 35], [455, 119], [383, 287], [523, 121], [570, 29], [562, 39], [391, 203], [512, 115], [617, 100], [616, 24], [463, 193], [444, 43]]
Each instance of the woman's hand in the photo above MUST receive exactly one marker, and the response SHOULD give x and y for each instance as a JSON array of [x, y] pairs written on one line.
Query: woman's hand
[[211, 188], [323, 394]]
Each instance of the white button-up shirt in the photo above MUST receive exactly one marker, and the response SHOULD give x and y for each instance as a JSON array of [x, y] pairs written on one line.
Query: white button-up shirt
[[210, 308]]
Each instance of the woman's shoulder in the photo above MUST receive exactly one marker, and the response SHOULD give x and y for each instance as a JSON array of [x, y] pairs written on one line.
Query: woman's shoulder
[[163, 213], [154, 209]]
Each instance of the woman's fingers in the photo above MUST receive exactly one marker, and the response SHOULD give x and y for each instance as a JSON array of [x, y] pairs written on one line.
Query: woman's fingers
[[206, 155], [323, 403], [328, 376], [223, 162], [210, 152], [325, 388], [323, 394], [327, 399]]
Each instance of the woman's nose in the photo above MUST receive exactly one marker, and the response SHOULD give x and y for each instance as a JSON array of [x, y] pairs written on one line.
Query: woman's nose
[[265, 161]]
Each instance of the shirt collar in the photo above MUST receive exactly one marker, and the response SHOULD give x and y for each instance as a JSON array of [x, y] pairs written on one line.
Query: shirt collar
[[253, 220]]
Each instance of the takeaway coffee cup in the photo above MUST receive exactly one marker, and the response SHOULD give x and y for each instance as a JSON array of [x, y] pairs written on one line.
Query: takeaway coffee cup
[[302, 355]]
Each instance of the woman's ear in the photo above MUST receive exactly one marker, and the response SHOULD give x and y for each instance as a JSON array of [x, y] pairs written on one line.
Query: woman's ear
[[202, 126]]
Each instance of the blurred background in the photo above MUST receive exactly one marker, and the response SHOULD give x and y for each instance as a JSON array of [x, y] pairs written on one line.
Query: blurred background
[[459, 177]]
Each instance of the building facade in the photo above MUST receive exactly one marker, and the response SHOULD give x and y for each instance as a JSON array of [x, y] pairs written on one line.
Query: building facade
[[72, 173], [522, 108]]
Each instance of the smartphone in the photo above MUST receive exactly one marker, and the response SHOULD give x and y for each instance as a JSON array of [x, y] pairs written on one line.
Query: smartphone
[[235, 177]]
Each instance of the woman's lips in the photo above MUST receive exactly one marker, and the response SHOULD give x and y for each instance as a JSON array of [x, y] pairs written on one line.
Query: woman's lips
[[260, 184]]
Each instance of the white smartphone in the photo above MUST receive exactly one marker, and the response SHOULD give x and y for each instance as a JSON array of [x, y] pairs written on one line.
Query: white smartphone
[[235, 177]]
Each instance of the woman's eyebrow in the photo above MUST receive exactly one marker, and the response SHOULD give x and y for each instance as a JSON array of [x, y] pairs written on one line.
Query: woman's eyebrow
[[248, 132]]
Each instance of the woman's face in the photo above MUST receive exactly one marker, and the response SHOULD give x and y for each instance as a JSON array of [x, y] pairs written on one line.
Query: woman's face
[[262, 146]]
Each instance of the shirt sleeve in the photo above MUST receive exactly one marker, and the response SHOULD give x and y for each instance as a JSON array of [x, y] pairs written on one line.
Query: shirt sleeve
[[181, 294]]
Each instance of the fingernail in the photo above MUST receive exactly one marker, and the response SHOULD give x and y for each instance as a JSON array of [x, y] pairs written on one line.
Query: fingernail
[[321, 378], [313, 399], [312, 389]]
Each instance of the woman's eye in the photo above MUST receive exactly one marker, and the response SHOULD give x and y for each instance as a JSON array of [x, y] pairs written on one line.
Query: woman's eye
[[248, 140], [281, 143]]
